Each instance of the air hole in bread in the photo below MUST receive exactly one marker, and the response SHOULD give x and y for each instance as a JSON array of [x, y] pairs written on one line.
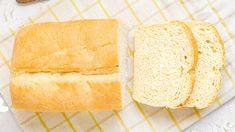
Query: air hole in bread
[[199, 52], [202, 29], [208, 41], [213, 84], [181, 71], [214, 69], [213, 49], [178, 33], [185, 57]]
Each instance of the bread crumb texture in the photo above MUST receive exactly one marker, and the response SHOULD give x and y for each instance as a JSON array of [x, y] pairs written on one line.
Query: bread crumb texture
[[211, 57], [164, 61]]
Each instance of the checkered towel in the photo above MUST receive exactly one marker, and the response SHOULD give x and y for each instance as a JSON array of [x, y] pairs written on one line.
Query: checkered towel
[[133, 116]]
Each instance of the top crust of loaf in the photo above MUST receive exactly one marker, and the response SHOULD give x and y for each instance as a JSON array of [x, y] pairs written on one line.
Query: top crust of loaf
[[74, 46], [159, 49], [208, 78]]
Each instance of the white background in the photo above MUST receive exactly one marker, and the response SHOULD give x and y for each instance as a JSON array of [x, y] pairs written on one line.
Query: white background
[[11, 14]]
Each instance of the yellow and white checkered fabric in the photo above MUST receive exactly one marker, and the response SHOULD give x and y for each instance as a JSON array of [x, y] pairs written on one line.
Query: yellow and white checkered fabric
[[134, 116]]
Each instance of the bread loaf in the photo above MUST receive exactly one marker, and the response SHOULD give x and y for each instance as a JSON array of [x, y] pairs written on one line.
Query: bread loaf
[[66, 66]]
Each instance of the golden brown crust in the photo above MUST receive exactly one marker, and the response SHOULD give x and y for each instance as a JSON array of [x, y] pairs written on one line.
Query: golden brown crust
[[24, 1], [82, 45], [56, 67], [68, 92]]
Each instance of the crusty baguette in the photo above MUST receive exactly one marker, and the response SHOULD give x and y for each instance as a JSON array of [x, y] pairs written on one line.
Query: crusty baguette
[[210, 60], [80, 46], [164, 61], [67, 92]]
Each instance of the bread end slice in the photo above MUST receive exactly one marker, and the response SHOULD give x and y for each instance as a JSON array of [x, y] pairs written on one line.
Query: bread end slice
[[164, 61]]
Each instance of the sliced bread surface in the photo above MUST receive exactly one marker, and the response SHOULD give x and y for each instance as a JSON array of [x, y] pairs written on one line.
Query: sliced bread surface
[[211, 57], [164, 61]]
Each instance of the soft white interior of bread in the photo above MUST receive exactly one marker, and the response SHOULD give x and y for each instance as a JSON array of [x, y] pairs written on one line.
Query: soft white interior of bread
[[164, 58], [210, 60]]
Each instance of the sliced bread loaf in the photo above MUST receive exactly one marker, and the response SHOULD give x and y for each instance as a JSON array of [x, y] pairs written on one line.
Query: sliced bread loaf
[[164, 61], [211, 57]]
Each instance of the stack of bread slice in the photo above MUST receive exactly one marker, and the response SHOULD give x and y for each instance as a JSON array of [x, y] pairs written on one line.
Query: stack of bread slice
[[177, 64]]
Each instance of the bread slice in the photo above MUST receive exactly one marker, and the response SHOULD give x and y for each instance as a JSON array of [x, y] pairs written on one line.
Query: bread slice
[[67, 92], [164, 61], [211, 57]]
